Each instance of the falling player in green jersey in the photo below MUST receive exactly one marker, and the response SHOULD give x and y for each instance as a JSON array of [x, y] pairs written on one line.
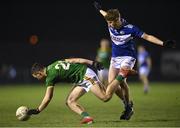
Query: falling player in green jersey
[[75, 71]]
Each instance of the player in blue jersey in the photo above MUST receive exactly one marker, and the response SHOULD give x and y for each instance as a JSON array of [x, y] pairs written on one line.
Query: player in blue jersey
[[124, 54], [144, 66]]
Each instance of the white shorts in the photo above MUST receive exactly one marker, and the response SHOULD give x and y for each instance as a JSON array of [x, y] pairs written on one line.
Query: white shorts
[[89, 79], [103, 74], [144, 71], [124, 61]]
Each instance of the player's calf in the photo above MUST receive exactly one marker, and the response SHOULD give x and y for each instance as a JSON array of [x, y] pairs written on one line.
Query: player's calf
[[112, 87]]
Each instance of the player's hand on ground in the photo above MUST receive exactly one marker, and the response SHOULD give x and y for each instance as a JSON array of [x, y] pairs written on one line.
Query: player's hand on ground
[[97, 65], [97, 5], [33, 111], [169, 44]]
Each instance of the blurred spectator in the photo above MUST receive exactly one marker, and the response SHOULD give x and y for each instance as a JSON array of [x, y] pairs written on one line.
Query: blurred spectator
[[7, 73], [144, 66], [12, 72], [103, 56]]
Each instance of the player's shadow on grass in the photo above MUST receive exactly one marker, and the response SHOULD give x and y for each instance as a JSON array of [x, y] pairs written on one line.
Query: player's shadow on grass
[[142, 120], [155, 120]]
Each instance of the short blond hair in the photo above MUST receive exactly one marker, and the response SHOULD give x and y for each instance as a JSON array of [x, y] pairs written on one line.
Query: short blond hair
[[112, 15]]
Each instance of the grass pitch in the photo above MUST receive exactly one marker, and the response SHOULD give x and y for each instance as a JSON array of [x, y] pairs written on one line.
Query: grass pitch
[[159, 108]]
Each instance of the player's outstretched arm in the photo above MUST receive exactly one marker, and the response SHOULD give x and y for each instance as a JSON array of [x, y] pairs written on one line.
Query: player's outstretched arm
[[152, 39], [95, 64], [99, 8], [155, 40], [104, 13], [79, 60], [47, 98]]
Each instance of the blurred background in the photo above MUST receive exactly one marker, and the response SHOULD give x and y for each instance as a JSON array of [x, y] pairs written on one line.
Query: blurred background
[[46, 31]]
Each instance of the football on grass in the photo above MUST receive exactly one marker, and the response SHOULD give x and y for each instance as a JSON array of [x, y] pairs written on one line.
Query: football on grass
[[22, 113]]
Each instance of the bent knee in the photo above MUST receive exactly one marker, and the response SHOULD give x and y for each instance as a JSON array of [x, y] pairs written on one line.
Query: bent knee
[[69, 102], [107, 98]]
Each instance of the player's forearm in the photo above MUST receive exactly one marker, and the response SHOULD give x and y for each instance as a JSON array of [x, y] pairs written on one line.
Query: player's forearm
[[85, 61], [104, 13], [47, 98], [44, 104], [153, 39], [79, 60]]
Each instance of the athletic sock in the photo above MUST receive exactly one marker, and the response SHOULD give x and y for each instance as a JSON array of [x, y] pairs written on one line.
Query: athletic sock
[[119, 78], [125, 103], [146, 88], [84, 114]]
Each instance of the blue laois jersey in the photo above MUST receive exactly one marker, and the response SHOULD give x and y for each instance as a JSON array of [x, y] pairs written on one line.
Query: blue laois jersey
[[122, 39], [142, 58]]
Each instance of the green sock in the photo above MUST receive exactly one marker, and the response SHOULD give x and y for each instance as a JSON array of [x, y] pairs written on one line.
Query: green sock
[[119, 78], [84, 114]]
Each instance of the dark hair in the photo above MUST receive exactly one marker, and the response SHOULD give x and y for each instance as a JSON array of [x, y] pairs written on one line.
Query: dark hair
[[112, 14], [36, 67]]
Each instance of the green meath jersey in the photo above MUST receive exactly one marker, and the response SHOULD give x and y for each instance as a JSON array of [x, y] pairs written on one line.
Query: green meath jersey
[[62, 71]]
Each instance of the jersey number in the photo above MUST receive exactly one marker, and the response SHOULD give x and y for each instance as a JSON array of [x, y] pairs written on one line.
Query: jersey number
[[65, 66]]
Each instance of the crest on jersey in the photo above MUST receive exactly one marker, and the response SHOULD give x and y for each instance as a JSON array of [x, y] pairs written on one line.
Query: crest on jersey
[[122, 32]]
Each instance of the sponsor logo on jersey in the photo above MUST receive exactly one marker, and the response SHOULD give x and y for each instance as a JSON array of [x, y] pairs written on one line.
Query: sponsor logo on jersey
[[119, 40]]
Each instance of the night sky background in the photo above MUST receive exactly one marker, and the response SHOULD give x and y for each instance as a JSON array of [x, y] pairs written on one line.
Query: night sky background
[[74, 28]]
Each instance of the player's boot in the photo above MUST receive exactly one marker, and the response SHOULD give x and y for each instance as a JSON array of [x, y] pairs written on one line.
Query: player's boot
[[128, 112], [87, 120]]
